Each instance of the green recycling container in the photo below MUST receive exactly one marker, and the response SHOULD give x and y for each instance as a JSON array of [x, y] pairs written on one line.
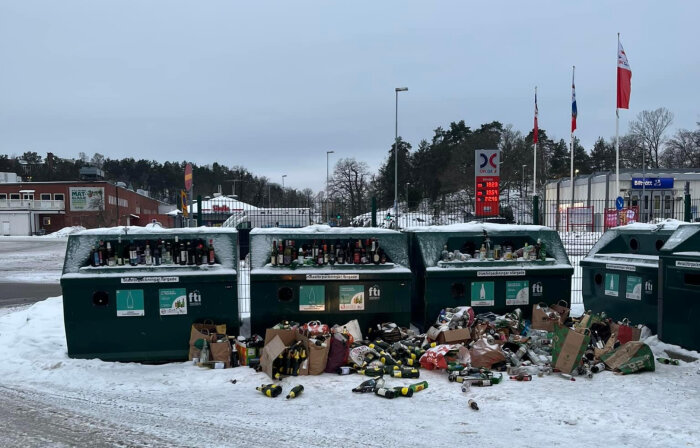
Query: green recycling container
[[620, 273], [144, 312], [305, 291], [679, 288], [450, 270]]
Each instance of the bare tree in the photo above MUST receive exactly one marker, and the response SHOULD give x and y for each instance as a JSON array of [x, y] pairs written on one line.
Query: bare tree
[[682, 150], [649, 128], [350, 184]]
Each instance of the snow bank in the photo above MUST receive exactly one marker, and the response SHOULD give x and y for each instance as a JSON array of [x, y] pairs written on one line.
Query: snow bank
[[64, 232], [198, 407], [153, 228], [322, 229], [666, 224]]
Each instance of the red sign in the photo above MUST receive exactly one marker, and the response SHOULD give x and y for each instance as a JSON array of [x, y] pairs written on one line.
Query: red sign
[[614, 218], [188, 177], [487, 195]]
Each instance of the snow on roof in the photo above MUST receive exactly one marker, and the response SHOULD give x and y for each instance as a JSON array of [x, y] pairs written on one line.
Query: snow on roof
[[153, 228], [476, 226], [220, 204], [667, 224], [322, 228]]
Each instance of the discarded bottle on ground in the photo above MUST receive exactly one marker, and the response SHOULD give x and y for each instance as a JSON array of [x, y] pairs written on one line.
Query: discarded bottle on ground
[[417, 387], [403, 391], [295, 392], [369, 385], [405, 373], [473, 405], [598, 367], [385, 392], [674, 362], [270, 390]]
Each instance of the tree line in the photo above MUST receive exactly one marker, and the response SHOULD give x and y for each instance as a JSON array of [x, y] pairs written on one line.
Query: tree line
[[438, 169], [443, 167]]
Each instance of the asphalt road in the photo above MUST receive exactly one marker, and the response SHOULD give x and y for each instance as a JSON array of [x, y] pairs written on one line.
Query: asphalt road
[[19, 293], [30, 270]]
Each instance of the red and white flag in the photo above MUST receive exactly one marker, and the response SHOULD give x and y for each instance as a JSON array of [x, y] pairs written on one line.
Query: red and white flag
[[534, 137], [624, 78]]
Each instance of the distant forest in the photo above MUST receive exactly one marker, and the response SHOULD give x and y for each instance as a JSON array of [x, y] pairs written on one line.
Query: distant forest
[[437, 168]]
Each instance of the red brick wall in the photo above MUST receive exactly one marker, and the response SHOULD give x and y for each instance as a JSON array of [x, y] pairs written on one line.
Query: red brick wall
[[142, 206]]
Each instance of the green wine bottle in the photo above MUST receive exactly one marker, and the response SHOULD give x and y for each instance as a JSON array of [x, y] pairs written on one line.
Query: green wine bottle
[[417, 387], [295, 392], [404, 391], [270, 390]]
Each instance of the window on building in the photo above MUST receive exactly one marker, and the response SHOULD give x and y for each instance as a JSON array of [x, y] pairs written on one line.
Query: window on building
[[3, 196], [14, 196], [138, 210], [45, 196], [58, 197], [46, 220]]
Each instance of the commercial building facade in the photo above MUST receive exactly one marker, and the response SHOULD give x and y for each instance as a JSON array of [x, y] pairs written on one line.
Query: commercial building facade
[[28, 208]]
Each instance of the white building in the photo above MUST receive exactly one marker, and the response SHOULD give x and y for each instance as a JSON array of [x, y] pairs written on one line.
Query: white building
[[650, 195]]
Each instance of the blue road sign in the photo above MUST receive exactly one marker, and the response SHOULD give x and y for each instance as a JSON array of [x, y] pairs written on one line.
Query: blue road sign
[[619, 203]]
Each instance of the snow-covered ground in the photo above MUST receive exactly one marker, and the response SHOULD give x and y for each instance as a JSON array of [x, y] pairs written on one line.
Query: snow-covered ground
[[32, 259], [182, 405]]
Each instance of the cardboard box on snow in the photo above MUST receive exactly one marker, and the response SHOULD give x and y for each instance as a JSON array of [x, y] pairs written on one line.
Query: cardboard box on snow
[[276, 341], [454, 336]]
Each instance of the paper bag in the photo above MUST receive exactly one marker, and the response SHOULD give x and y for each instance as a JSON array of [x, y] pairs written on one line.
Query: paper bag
[[626, 332], [543, 318], [221, 351], [561, 307], [270, 352], [634, 356], [207, 331], [485, 355], [568, 346]]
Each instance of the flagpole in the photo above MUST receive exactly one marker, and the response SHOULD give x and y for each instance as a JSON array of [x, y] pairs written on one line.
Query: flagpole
[[534, 162], [617, 136], [573, 71]]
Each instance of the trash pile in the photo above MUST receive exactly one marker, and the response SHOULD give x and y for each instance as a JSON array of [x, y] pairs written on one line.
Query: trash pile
[[473, 350]]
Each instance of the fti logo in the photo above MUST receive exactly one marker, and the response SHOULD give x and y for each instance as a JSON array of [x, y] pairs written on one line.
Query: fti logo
[[194, 298], [374, 292], [537, 289], [648, 287]]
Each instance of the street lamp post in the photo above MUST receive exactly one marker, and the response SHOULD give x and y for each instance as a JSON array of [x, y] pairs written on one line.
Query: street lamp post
[[408, 184], [523, 183], [327, 155], [396, 156], [283, 176]]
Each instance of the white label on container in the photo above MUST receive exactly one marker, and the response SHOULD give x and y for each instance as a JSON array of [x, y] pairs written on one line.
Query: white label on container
[[621, 267], [499, 273], [332, 276], [688, 264], [150, 279]]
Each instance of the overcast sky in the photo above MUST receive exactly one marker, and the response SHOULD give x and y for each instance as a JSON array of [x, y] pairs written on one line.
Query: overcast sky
[[272, 86]]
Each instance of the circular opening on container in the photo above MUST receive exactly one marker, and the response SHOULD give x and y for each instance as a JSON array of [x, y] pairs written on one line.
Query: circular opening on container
[[458, 290], [100, 298], [659, 244], [285, 294], [598, 279], [634, 244]]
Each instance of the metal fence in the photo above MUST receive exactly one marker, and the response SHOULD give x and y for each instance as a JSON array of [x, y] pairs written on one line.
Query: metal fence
[[580, 224]]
